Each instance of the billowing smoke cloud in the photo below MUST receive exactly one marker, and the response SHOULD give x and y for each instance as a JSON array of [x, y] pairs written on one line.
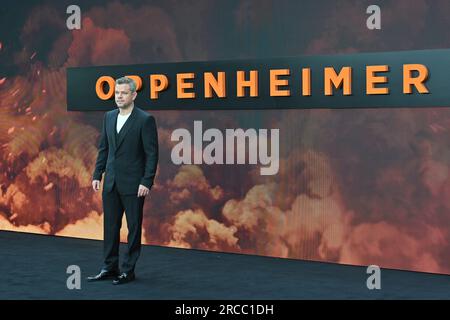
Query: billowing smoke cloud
[[345, 31], [313, 224], [378, 243], [46, 156], [95, 45], [160, 44], [193, 229], [30, 228], [91, 227], [190, 181]]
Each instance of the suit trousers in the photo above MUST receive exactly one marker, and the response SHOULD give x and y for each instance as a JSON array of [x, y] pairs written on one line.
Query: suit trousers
[[114, 204]]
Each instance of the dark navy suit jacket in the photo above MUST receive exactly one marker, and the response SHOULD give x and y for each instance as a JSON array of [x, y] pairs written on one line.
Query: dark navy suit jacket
[[129, 158]]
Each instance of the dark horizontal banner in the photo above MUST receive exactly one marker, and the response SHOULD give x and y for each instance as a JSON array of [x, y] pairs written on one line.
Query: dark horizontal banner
[[367, 80]]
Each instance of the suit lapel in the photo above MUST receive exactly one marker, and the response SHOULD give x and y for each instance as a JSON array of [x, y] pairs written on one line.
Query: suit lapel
[[126, 127], [112, 128]]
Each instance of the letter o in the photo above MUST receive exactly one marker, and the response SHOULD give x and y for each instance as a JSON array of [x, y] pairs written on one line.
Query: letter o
[[99, 87]]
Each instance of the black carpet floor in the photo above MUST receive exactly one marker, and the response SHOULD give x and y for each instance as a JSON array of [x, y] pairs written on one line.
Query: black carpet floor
[[34, 267]]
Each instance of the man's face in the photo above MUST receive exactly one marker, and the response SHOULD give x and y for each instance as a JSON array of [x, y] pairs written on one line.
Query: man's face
[[123, 95]]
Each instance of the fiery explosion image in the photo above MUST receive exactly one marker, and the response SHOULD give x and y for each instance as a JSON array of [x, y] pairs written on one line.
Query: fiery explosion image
[[354, 186]]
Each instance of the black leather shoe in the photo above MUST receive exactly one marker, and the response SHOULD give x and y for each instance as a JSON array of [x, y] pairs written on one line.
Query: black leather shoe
[[124, 278], [103, 275]]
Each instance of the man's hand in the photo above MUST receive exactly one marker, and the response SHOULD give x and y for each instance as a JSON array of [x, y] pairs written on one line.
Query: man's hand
[[143, 191], [96, 185]]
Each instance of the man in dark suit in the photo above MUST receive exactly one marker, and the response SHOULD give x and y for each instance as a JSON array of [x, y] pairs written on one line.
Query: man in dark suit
[[128, 154]]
